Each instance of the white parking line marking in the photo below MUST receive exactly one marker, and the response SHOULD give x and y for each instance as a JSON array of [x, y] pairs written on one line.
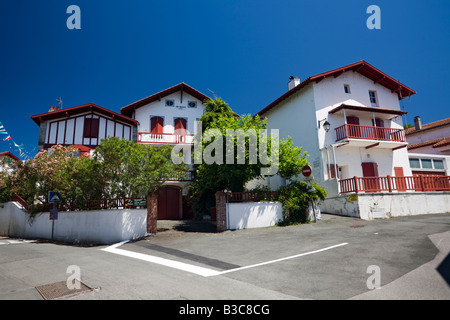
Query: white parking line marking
[[205, 272], [12, 241], [283, 259]]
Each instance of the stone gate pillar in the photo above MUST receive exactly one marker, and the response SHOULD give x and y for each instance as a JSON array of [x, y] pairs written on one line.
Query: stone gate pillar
[[221, 211], [152, 212]]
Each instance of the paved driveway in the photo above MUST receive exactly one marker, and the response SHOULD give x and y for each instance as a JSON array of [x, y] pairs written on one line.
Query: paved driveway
[[334, 258]]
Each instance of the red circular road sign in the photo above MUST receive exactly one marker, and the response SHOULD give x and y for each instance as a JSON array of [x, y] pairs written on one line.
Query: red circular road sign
[[306, 171]]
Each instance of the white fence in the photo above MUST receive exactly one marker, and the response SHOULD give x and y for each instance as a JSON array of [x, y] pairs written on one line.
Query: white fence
[[94, 226]]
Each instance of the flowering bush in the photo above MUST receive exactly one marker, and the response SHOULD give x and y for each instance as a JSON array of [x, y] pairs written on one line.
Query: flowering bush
[[119, 168]]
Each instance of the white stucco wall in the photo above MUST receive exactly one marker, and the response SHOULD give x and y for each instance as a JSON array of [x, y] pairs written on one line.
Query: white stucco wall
[[253, 214], [70, 131], [96, 226], [385, 205]]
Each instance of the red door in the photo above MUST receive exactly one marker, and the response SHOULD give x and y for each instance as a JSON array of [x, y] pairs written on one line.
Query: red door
[[379, 129], [180, 129], [400, 182], [169, 203], [370, 177]]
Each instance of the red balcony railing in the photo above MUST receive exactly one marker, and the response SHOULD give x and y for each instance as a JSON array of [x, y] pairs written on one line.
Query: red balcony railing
[[251, 196], [371, 133], [390, 184]]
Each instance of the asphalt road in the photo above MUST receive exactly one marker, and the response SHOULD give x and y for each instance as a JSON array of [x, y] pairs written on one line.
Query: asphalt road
[[335, 258]]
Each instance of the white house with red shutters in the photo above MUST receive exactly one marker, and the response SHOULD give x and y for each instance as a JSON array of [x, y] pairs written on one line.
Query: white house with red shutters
[[169, 117], [349, 120]]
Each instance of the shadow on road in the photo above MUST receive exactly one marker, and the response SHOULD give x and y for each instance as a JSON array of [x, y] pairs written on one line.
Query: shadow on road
[[444, 269], [187, 226]]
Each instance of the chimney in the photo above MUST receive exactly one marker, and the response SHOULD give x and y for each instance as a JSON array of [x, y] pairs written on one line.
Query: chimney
[[293, 82], [53, 109], [417, 123]]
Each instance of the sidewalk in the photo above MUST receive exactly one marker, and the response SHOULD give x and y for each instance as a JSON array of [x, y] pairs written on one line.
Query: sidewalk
[[430, 281]]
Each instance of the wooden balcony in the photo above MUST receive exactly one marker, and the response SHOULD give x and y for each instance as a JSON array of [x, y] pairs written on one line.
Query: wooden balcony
[[394, 184], [165, 138], [353, 131]]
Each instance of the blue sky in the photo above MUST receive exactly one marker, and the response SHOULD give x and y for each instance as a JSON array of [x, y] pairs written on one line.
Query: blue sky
[[243, 50]]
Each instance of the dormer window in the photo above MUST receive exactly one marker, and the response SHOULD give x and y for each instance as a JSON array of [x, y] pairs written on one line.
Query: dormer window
[[170, 103], [192, 104]]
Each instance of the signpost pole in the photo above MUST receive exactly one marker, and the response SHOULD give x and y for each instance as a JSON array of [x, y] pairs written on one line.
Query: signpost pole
[[53, 220], [54, 198]]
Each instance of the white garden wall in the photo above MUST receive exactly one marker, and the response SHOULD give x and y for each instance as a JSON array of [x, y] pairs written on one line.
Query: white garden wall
[[253, 214], [94, 227], [370, 206]]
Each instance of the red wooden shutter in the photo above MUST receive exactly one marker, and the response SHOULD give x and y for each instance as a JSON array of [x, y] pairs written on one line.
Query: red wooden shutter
[[353, 131], [180, 126], [378, 122], [180, 129], [157, 124], [353, 120], [87, 128], [91, 128], [370, 169], [95, 124]]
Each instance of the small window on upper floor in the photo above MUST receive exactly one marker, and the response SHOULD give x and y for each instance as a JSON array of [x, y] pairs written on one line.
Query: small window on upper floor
[[170, 103], [192, 104], [414, 163], [438, 164], [347, 88], [426, 164], [373, 98]]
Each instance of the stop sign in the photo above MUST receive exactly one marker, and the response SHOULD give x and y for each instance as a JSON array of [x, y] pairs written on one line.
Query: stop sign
[[306, 171]]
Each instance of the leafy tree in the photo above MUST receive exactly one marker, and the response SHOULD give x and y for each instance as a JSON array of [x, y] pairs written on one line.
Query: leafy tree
[[237, 163], [134, 170]]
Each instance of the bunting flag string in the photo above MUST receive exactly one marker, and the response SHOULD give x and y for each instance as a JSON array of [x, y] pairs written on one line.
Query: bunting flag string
[[23, 154]]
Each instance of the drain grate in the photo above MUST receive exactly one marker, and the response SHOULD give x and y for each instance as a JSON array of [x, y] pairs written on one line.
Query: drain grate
[[59, 290], [358, 226]]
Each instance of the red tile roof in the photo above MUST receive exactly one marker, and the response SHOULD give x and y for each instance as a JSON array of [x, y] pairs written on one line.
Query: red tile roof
[[369, 109], [80, 109], [435, 143], [362, 67], [429, 126]]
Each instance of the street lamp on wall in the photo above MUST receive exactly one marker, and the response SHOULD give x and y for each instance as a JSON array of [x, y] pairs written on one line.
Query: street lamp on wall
[[326, 125]]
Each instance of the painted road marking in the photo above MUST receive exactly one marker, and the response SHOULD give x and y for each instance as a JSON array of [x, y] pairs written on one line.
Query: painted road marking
[[5, 241], [283, 259], [205, 272]]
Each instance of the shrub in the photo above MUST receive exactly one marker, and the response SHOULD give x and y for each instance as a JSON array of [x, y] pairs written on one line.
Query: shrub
[[295, 198]]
